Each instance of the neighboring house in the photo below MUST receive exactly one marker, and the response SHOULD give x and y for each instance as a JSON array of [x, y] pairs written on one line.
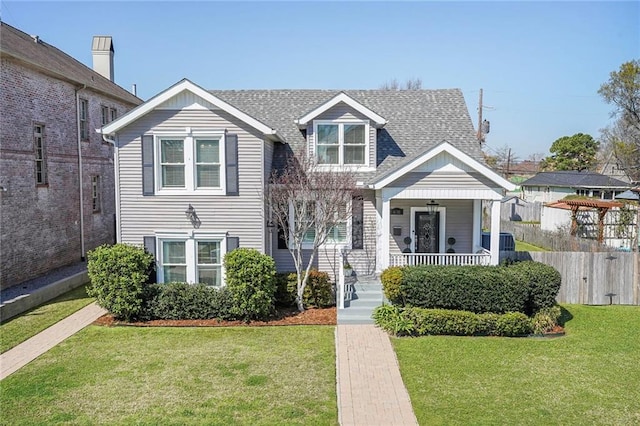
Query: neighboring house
[[192, 166], [50, 105], [610, 167], [547, 187], [523, 170]]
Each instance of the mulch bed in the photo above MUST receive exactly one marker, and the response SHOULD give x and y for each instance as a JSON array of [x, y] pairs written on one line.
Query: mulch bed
[[326, 316]]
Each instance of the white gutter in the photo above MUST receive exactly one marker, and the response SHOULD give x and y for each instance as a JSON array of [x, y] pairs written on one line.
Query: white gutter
[[80, 170], [116, 171]]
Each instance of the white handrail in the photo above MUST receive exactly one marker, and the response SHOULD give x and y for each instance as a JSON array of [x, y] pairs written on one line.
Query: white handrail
[[340, 283]]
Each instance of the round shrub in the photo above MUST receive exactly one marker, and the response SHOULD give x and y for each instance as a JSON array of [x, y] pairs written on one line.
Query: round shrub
[[250, 279], [118, 275], [318, 292], [391, 280]]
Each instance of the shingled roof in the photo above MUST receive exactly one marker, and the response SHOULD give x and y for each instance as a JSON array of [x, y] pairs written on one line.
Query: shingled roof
[[417, 119], [574, 179], [53, 61]]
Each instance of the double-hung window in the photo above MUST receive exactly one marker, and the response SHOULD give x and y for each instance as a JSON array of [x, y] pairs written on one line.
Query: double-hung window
[[190, 163], [193, 260], [341, 143], [337, 233], [172, 162], [83, 117], [38, 144]]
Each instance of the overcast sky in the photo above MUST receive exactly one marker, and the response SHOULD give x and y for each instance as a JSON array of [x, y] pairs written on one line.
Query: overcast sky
[[540, 64]]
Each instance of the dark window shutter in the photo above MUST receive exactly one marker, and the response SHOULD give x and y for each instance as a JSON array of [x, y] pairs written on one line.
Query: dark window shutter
[[283, 236], [232, 243], [147, 165], [231, 163], [357, 223], [150, 245]]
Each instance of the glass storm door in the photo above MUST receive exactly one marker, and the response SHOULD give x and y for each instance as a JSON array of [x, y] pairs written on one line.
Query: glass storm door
[[427, 226]]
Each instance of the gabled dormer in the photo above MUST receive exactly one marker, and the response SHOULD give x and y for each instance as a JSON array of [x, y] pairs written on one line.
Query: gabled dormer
[[342, 133]]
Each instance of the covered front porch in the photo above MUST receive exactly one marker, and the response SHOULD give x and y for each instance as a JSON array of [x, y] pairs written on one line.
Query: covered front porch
[[436, 231], [429, 211]]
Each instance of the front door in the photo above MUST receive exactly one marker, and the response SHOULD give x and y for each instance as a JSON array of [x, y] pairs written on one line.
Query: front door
[[427, 227]]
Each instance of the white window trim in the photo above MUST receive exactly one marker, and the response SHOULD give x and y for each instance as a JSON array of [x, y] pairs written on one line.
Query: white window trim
[[441, 229], [341, 166], [189, 137], [327, 244], [190, 239]]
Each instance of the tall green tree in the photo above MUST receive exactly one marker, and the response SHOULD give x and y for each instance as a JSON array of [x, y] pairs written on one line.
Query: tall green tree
[[577, 152]]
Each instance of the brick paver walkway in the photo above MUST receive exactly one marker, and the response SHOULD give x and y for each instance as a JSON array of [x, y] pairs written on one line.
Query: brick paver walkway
[[25, 352], [370, 389]]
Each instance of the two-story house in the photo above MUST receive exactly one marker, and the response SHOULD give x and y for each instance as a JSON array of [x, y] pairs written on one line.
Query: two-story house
[[56, 174], [192, 165]]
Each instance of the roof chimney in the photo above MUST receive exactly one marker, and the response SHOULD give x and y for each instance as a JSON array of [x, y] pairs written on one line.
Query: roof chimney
[[102, 50]]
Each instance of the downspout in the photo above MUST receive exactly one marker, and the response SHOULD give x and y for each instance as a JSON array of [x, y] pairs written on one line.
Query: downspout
[[116, 171], [80, 170]]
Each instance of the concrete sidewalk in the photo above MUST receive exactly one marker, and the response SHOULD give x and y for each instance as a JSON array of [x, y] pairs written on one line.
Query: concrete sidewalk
[[370, 388], [25, 352]]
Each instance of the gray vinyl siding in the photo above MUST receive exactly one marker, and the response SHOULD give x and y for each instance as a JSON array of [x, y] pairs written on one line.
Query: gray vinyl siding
[[345, 112], [443, 180], [457, 224], [363, 260], [240, 216]]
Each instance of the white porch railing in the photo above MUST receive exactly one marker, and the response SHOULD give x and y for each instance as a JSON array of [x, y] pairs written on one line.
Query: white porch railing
[[340, 283], [411, 259]]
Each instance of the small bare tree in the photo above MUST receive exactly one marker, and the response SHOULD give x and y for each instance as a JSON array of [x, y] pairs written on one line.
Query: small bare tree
[[410, 84], [311, 203]]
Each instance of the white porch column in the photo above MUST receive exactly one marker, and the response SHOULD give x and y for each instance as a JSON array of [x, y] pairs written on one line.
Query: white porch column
[[495, 232], [476, 240], [382, 232]]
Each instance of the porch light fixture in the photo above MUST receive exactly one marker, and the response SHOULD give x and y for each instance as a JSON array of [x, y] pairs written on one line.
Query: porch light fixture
[[190, 213], [432, 207]]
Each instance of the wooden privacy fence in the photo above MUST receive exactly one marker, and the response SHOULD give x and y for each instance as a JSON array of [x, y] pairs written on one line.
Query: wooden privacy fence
[[555, 241], [529, 212], [587, 278]]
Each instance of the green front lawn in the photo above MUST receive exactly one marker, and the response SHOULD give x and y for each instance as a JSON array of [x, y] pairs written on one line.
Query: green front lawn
[[18, 329], [522, 246], [209, 375], [590, 376]]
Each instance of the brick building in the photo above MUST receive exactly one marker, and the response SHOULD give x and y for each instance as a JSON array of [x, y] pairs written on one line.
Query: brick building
[[50, 106]]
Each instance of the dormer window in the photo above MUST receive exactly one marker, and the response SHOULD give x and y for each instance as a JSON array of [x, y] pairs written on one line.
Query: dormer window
[[342, 143]]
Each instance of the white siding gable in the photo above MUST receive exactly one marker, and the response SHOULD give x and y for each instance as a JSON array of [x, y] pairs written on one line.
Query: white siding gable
[[186, 100]]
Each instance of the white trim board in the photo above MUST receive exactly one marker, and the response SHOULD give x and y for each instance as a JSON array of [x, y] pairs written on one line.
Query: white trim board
[[303, 121], [176, 90], [455, 152]]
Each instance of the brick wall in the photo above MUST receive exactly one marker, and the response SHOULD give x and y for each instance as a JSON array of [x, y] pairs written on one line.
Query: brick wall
[[40, 225]]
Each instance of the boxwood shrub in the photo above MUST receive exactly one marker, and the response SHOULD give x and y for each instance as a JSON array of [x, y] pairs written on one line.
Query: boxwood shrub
[[250, 280], [319, 291], [415, 321], [544, 284], [391, 279], [119, 274], [178, 301], [468, 288]]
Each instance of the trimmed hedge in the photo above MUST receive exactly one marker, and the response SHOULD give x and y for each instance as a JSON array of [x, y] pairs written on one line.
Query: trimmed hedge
[[544, 284], [178, 301], [412, 321], [467, 288], [525, 287]]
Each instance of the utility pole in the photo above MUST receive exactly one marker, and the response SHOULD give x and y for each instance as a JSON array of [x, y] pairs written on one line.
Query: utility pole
[[480, 133], [506, 174]]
